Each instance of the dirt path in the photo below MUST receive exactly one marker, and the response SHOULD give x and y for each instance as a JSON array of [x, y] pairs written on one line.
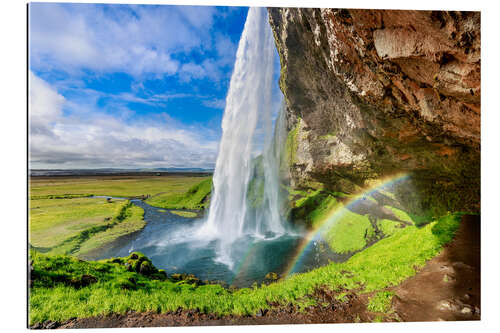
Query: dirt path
[[447, 288]]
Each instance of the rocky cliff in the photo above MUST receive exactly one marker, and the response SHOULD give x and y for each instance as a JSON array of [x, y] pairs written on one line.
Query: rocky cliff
[[373, 92]]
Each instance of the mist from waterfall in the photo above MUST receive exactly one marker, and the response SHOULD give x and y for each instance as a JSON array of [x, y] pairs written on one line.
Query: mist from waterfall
[[239, 173]]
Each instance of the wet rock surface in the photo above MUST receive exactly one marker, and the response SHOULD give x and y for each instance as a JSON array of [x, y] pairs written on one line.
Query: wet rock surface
[[373, 92]]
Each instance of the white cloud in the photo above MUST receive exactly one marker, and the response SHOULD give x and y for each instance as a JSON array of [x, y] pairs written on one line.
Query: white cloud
[[226, 49], [133, 39], [215, 103], [100, 140], [45, 105]]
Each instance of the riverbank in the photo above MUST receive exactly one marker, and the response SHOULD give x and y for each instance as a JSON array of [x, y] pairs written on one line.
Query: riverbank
[[447, 288], [375, 270], [73, 215]]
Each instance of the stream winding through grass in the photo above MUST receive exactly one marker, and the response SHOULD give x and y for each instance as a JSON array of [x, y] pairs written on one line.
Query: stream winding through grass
[[171, 242]]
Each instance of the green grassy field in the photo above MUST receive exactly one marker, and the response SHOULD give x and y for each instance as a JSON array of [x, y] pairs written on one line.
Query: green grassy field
[[54, 220], [57, 292], [78, 226], [63, 219], [192, 198], [116, 186], [75, 226]]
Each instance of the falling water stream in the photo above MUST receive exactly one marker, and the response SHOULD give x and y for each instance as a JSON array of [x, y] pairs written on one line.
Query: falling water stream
[[245, 235], [249, 100]]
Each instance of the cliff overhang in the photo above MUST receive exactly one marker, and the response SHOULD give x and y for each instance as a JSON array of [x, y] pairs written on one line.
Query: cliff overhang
[[371, 93]]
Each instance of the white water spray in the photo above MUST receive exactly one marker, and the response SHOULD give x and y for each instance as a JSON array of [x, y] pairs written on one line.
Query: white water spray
[[249, 101]]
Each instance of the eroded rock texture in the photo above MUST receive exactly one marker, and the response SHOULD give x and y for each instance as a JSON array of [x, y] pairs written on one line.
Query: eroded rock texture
[[374, 92]]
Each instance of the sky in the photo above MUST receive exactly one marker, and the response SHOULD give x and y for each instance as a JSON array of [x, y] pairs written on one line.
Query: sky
[[128, 86]]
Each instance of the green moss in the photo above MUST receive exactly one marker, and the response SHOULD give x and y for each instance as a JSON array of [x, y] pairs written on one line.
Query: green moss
[[400, 214], [445, 229], [305, 197], [342, 297], [194, 198], [291, 144], [327, 136], [380, 302], [388, 227], [312, 206], [349, 232]]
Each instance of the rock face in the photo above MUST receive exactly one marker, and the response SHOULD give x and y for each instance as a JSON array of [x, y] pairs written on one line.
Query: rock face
[[373, 92]]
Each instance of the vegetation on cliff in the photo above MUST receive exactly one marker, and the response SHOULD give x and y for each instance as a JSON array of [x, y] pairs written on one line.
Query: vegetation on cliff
[[370, 94]]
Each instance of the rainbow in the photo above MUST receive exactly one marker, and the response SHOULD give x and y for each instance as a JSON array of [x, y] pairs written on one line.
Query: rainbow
[[334, 215]]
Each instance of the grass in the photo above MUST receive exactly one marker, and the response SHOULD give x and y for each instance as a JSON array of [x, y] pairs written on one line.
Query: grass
[[132, 221], [116, 186], [128, 219], [193, 198], [385, 264], [380, 302], [346, 231], [64, 219], [184, 213], [349, 233], [54, 220]]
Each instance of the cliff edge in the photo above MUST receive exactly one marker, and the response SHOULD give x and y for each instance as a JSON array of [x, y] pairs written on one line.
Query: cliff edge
[[370, 93]]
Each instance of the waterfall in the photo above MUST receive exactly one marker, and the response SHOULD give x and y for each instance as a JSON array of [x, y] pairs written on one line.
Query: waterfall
[[248, 104]]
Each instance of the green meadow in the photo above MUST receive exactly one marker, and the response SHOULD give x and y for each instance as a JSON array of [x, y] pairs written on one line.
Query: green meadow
[[116, 186], [65, 226], [58, 294], [65, 219]]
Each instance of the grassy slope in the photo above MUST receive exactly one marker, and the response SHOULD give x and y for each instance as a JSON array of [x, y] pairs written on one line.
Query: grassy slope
[[112, 186], [193, 198], [387, 263], [62, 222], [54, 220], [350, 231], [380, 302], [133, 221], [127, 218]]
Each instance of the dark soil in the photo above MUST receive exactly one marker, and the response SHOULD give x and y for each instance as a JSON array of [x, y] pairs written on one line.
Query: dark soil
[[331, 311], [447, 288]]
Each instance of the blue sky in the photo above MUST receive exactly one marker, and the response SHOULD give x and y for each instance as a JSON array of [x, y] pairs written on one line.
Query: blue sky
[[129, 85]]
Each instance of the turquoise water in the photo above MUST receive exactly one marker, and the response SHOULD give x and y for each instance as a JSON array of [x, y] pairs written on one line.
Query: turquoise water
[[173, 244]]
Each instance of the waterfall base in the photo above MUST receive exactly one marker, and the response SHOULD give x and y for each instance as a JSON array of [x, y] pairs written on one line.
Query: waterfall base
[[173, 243]]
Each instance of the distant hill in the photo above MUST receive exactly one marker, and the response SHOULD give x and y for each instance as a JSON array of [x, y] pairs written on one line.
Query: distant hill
[[111, 171]]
